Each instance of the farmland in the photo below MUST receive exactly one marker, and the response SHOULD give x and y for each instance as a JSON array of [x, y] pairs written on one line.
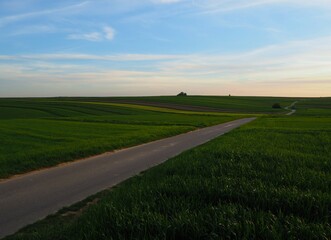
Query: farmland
[[203, 103], [38, 133], [318, 107], [270, 179]]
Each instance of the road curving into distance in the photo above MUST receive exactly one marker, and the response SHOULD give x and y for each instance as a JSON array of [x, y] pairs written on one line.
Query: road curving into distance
[[30, 197], [291, 107]]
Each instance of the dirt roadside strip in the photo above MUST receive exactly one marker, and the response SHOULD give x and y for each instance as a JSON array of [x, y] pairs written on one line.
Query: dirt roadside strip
[[30, 197]]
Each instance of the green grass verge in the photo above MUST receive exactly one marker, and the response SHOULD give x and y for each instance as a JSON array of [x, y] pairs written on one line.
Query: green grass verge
[[270, 179]]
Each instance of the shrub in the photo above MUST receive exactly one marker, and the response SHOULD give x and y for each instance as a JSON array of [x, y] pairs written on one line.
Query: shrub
[[276, 105], [182, 94]]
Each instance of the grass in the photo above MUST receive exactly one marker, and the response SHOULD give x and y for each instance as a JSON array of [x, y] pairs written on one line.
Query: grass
[[38, 133], [270, 179]]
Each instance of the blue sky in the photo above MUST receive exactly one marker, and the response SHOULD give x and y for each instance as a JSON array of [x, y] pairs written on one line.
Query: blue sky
[[162, 47]]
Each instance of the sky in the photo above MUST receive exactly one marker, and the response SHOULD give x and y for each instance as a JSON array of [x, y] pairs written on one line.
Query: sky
[[162, 47]]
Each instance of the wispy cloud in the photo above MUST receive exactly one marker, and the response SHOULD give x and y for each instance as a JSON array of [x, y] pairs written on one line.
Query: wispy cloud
[[294, 68], [83, 57], [34, 29], [108, 33], [19, 17], [209, 56], [93, 36], [190, 8], [218, 6], [296, 58]]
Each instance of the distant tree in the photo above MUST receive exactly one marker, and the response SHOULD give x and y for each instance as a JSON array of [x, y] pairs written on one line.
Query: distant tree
[[182, 94], [276, 105]]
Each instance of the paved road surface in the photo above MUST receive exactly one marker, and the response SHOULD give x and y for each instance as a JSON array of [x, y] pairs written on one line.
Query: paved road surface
[[30, 197], [291, 107]]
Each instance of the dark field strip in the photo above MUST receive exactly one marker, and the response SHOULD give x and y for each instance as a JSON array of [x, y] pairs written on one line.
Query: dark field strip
[[224, 104], [221, 103], [42, 109], [270, 179]]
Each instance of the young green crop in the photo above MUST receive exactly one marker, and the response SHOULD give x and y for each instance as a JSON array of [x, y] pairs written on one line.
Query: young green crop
[[36, 133], [320, 107], [270, 179]]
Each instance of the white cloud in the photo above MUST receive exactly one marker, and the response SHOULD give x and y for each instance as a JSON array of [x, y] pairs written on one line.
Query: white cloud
[[107, 33], [93, 36]]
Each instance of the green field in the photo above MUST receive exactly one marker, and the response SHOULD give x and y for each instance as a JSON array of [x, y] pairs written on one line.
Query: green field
[[319, 107], [269, 179], [37, 133], [225, 103], [202, 103]]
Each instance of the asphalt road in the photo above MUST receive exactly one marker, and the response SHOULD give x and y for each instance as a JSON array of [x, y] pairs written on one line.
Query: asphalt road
[[291, 107], [30, 197]]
